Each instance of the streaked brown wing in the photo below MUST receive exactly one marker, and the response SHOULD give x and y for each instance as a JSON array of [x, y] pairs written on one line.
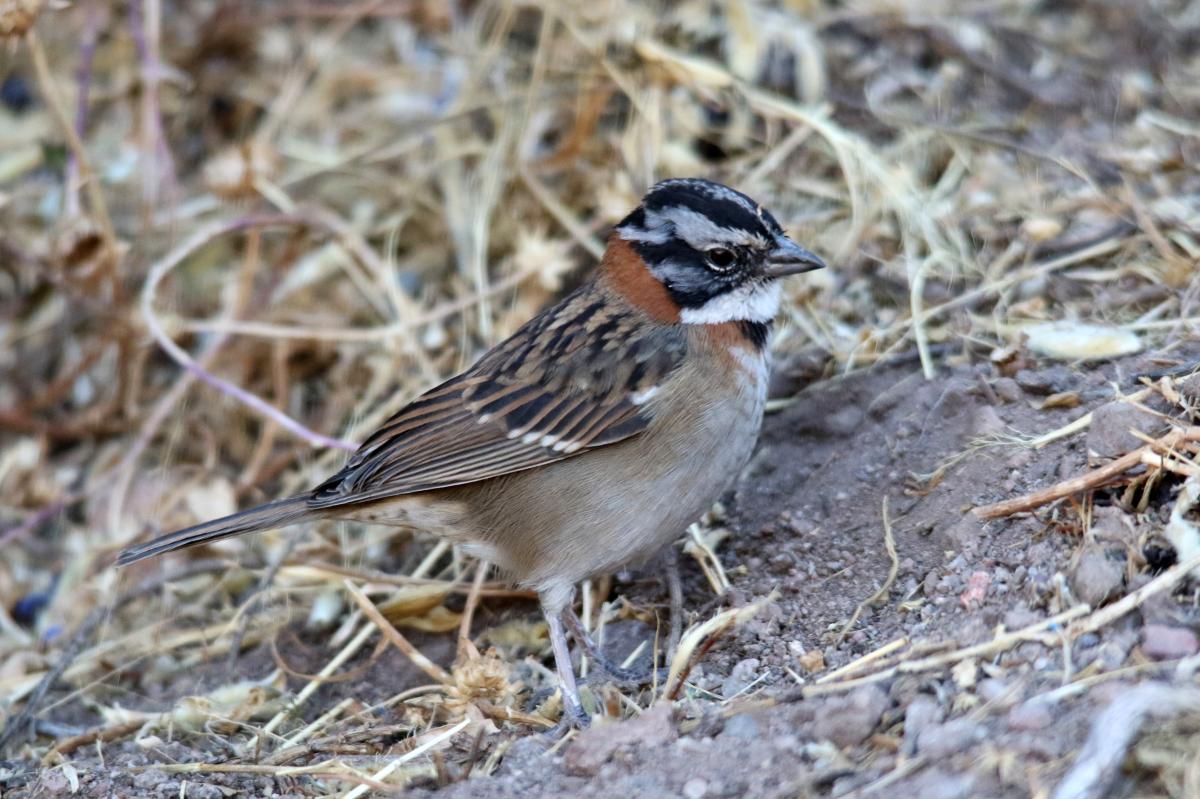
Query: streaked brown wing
[[572, 379]]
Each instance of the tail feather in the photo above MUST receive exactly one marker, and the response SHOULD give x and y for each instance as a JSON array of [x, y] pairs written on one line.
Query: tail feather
[[264, 517]]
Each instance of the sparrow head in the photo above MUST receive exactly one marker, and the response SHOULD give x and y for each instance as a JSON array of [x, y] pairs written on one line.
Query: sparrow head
[[717, 253]]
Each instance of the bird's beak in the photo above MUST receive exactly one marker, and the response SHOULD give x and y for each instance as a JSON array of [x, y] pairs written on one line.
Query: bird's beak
[[789, 258]]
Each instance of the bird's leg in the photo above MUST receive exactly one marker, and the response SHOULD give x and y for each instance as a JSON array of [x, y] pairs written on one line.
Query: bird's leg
[[626, 678], [573, 713], [675, 591]]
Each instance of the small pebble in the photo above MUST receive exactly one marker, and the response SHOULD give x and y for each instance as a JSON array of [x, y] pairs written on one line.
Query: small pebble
[[849, 720], [1108, 435], [1020, 617], [1096, 578], [1007, 389], [921, 714], [742, 726], [1045, 382], [740, 677], [1162, 642], [1030, 716], [943, 740]]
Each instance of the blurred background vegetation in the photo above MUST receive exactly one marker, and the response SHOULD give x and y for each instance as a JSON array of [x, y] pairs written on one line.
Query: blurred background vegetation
[[235, 236]]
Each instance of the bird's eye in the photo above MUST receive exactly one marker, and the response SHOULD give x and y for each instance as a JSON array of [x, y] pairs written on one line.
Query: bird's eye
[[720, 258]]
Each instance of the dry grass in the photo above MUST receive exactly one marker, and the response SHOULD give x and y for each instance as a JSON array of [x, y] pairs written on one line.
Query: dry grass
[[234, 237]]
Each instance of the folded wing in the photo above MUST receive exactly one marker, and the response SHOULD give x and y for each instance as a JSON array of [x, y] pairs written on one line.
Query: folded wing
[[575, 378]]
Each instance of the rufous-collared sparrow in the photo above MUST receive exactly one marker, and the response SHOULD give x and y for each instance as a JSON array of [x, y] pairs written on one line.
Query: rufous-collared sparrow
[[594, 435]]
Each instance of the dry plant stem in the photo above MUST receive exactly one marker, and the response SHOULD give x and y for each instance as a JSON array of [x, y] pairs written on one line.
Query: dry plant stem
[[917, 271], [432, 739], [699, 638], [1181, 467], [361, 334], [318, 572], [352, 646], [362, 252], [166, 404], [709, 563], [145, 25], [1148, 226], [98, 734], [256, 599], [560, 212], [371, 732], [37, 519], [320, 723], [866, 660], [83, 80], [172, 259], [315, 57], [1080, 424], [1175, 458], [1034, 632], [398, 640], [889, 543], [1087, 482], [354, 673], [1110, 613], [775, 158], [1091, 621], [23, 721], [1113, 731], [1100, 248], [467, 649], [125, 469], [322, 768], [506, 713], [90, 180], [874, 789]]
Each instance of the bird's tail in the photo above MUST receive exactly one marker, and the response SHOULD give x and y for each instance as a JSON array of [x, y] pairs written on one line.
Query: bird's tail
[[263, 517]]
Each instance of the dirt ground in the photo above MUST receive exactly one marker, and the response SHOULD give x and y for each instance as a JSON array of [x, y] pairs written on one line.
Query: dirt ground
[[234, 237], [807, 535]]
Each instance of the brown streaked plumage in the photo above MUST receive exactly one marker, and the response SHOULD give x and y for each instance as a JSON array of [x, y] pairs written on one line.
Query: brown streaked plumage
[[597, 432]]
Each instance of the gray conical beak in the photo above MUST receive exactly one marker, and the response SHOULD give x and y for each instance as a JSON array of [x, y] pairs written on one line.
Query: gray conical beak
[[789, 258]]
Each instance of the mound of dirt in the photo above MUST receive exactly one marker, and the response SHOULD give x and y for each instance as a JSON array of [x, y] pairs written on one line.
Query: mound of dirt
[[963, 677]]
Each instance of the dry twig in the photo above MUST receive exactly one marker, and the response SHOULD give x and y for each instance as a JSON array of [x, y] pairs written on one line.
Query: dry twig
[[890, 544], [1096, 478]]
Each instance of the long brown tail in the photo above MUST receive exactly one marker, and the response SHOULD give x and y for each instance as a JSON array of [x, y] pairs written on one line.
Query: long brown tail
[[263, 517]]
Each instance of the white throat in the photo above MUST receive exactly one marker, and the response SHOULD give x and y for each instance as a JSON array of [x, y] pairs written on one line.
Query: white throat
[[752, 302]]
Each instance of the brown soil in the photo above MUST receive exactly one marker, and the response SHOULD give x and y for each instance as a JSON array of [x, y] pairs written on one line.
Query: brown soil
[[310, 181], [807, 524]]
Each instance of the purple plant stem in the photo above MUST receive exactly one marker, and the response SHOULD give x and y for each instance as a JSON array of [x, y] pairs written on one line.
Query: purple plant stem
[[160, 165], [36, 520], [83, 77], [172, 259]]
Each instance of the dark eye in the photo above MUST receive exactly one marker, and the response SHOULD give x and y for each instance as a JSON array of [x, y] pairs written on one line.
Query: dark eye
[[720, 258]]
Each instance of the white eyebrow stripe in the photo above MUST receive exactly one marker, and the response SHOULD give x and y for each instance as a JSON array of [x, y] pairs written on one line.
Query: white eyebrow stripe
[[655, 236], [700, 232]]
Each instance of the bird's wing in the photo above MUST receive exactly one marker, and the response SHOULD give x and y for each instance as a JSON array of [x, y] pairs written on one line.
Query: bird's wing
[[574, 378]]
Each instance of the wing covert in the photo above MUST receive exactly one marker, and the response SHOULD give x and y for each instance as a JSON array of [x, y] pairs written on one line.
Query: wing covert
[[576, 377]]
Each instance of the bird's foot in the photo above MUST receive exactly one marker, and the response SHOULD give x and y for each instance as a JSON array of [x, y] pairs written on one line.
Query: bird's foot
[[608, 671], [605, 667], [573, 717]]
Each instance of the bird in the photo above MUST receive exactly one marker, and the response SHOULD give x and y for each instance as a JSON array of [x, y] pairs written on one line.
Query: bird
[[592, 437]]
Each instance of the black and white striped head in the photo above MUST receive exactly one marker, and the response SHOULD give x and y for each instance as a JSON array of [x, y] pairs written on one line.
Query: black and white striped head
[[717, 252]]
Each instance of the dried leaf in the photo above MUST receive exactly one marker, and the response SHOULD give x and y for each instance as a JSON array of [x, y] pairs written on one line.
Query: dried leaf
[[1079, 341]]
